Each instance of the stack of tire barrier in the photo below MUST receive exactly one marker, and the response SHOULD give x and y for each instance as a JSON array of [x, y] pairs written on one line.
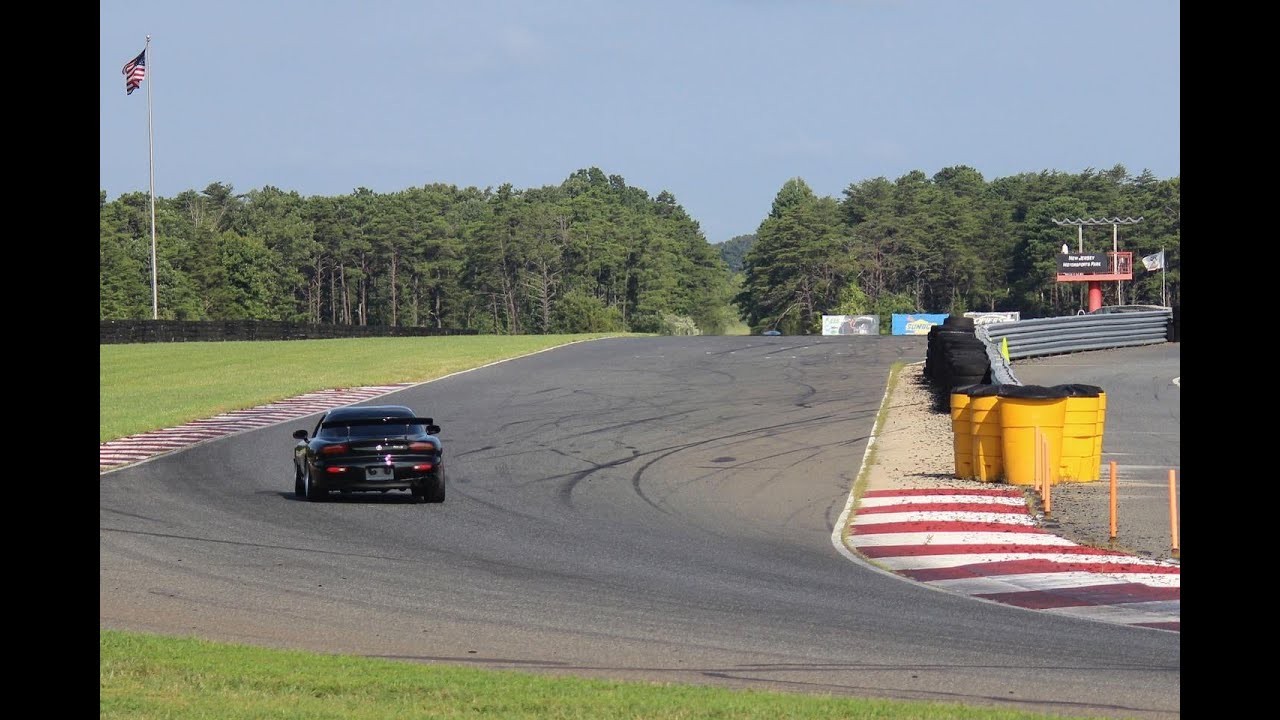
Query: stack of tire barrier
[[955, 357]]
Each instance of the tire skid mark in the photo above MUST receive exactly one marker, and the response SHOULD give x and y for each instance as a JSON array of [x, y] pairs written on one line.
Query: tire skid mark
[[241, 543], [729, 377], [565, 492]]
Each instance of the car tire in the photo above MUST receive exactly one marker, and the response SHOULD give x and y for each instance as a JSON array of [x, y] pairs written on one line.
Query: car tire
[[432, 491], [298, 488], [312, 493]]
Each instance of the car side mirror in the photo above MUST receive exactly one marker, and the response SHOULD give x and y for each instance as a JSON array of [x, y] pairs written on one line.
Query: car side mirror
[[300, 434], [433, 429]]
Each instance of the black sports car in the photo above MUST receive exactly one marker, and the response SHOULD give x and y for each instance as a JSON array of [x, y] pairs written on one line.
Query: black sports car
[[371, 448]]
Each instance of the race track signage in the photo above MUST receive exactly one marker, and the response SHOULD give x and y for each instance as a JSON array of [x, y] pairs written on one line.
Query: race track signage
[[1082, 263]]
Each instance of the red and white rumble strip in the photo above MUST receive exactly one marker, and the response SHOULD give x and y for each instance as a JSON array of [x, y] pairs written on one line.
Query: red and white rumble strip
[[140, 447], [984, 543]]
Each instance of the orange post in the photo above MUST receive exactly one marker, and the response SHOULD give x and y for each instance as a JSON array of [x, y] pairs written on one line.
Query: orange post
[[1046, 471], [1113, 499], [1038, 481], [1173, 508]]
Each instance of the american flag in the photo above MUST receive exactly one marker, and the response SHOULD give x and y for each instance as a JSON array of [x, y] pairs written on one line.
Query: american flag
[[134, 72]]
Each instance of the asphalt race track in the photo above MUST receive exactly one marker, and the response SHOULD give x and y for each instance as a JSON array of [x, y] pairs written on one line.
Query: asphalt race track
[[643, 509]]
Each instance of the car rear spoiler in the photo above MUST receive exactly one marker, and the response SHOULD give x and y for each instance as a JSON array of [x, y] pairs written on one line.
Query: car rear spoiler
[[378, 421]]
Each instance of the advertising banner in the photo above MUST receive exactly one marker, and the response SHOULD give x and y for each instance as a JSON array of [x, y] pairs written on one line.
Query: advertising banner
[[850, 324], [987, 318], [916, 323]]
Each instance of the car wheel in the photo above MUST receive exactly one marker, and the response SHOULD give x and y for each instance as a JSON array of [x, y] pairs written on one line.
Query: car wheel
[[298, 488], [312, 492], [431, 491]]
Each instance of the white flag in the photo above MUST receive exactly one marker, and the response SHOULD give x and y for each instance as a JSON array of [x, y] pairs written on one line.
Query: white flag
[[1154, 262]]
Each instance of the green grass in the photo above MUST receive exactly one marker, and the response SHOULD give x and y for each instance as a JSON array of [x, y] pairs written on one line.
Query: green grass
[[155, 385], [148, 676]]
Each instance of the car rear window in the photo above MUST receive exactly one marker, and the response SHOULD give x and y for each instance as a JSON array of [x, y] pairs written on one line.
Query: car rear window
[[371, 431]]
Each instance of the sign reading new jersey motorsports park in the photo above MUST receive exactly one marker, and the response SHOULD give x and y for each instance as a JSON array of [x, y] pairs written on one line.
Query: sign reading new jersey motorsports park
[[1082, 263]]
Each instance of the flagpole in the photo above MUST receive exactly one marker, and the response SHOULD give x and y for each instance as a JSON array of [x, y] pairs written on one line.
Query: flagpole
[[151, 162], [1163, 262]]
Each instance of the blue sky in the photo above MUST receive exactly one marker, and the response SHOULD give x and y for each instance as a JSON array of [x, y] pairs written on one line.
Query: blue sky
[[717, 102]]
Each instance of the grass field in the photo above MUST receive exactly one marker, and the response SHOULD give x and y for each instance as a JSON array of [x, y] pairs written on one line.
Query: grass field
[[146, 676], [148, 386]]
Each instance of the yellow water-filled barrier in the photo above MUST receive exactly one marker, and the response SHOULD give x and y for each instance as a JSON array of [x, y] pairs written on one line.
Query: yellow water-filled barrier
[[984, 427], [961, 433], [1080, 461], [1024, 409]]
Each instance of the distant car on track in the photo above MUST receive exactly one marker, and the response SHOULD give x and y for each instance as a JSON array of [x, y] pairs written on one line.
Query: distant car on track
[[771, 332], [371, 448]]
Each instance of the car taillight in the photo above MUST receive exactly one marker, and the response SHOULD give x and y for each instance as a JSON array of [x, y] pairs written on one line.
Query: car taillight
[[424, 466], [334, 450], [421, 447], [336, 470]]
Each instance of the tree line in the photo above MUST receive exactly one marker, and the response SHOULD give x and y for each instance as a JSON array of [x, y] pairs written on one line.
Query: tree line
[[590, 255], [952, 243], [596, 255]]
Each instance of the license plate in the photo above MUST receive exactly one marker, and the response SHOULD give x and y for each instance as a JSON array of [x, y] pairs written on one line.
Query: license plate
[[380, 472]]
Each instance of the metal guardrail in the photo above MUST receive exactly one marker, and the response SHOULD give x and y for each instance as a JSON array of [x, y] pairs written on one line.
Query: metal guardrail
[[1076, 333], [1001, 373]]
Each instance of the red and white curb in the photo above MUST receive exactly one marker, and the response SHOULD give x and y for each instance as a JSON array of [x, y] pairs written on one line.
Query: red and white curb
[[984, 543], [135, 448]]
